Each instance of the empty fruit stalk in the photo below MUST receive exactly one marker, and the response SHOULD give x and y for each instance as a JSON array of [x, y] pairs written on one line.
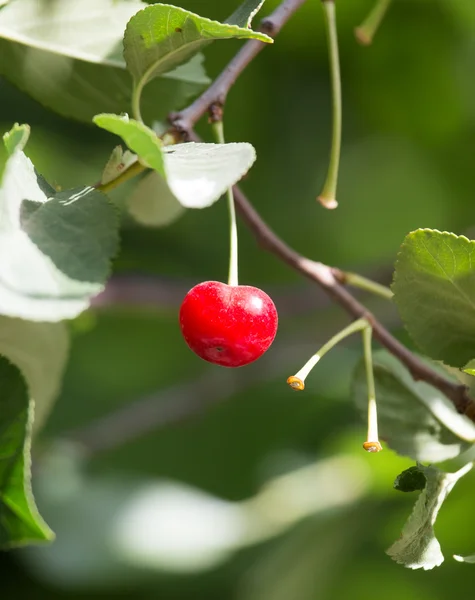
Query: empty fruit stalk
[[328, 196], [297, 381]]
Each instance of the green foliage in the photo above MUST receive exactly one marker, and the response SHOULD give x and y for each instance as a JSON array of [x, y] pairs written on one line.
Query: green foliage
[[434, 289], [57, 246], [20, 522], [139, 138], [418, 548], [415, 419], [76, 67], [162, 37], [197, 175]]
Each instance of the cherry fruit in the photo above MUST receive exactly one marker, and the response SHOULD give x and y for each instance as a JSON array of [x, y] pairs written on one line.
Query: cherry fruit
[[228, 325]]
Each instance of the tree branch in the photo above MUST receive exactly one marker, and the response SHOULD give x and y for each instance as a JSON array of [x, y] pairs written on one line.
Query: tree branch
[[323, 275], [216, 94]]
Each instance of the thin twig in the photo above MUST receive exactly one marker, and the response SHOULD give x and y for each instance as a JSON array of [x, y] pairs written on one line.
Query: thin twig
[[321, 274], [216, 94]]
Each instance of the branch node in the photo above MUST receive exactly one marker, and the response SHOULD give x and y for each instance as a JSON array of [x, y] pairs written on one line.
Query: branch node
[[216, 111], [268, 26]]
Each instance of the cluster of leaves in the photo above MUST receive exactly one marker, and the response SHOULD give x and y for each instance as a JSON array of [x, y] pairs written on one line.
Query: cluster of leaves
[[434, 291], [57, 245]]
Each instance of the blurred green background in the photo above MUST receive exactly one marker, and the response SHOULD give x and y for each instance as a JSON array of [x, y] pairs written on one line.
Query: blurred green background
[[182, 511]]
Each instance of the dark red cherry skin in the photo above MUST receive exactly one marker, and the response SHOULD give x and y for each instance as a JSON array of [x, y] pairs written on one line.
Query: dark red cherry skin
[[228, 325]]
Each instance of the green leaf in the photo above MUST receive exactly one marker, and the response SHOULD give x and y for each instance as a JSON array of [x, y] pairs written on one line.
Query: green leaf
[[68, 56], [414, 418], [40, 350], [418, 547], [243, 15], [56, 248], [16, 138], [152, 202], [139, 138], [410, 480], [196, 174], [199, 174], [20, 522], [434, 290], [161, 37], [118, 162]]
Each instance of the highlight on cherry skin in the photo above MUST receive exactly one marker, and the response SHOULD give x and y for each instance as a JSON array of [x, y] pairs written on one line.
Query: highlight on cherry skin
[[228, 325]]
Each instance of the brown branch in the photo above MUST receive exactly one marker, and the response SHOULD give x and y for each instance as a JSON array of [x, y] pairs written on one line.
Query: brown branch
[[216, 94], [323, 275]]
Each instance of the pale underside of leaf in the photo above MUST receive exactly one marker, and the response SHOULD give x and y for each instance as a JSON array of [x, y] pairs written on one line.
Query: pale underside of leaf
[[418, 547], [199, 174], [196, 174], [56, 247], [64, 56]]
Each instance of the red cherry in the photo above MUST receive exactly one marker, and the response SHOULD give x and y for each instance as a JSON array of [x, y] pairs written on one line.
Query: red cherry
[[228, 325]]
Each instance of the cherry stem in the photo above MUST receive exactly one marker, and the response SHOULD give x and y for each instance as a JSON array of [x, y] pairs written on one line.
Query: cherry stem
[[328, 196], [298, 379], [363, 283], [372, 442], [366, 31], [233, 235]]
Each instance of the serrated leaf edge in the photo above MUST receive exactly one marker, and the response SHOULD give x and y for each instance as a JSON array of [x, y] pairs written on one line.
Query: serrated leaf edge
[[395, 278]]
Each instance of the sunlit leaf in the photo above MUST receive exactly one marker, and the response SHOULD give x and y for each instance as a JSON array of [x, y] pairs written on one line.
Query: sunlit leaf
[[434, 290], [162, 37], [414, 418], [68, 56], [199, 174], [418, 548], [139, 138], [196, 174]]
